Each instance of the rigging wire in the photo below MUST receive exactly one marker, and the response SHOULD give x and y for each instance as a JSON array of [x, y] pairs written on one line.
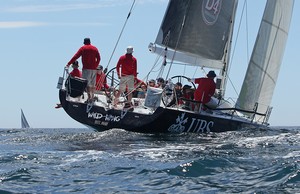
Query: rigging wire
[[195, 71], [238, 32], [247, 32], [129, 13], [179, 36], [159, 57]]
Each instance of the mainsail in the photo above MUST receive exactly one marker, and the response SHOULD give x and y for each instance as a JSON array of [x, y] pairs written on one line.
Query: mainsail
[[198, 30], [264, 65], [24, 123]]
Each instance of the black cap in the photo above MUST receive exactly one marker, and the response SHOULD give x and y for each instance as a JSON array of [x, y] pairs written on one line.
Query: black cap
[[87, 41], [75, 63], [211, 74], [161, 80]]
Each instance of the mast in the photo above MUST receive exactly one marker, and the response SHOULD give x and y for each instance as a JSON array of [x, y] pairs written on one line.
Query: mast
[[224, 71]]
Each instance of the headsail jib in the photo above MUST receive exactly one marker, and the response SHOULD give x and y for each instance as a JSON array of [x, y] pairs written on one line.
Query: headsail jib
[[264, 65]]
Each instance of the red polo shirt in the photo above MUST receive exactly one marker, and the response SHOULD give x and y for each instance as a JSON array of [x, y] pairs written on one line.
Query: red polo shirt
[[76, 73], [101, 81], [205, 90], [128, 65], [90, 57]]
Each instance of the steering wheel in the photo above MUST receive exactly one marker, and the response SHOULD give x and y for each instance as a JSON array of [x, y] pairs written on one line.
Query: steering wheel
[[168, 93], [112, 81]]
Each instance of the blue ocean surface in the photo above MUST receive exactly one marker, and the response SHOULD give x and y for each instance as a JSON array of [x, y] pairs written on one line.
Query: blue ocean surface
[[116, 161]]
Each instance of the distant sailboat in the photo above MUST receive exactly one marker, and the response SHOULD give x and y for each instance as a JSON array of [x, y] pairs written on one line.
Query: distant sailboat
[[24, 122]]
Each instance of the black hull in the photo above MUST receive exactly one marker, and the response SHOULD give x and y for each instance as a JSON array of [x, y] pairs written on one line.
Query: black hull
[[163, 120]]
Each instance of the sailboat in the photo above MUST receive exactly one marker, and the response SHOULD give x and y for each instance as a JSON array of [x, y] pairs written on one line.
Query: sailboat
[[194, 33], [24, 122]]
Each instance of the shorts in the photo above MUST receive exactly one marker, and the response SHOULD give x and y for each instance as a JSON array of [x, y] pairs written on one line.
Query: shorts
[[90, 76], [213, 103], [126, 82]]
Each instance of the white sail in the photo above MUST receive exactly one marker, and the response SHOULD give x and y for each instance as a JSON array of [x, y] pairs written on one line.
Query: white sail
[[24, 123], [264, 65]]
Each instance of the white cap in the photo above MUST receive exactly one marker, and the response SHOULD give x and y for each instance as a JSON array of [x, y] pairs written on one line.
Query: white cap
[[129, 50]]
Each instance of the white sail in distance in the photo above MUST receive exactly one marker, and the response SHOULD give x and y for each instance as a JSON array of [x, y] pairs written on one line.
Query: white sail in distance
[[24, 122]]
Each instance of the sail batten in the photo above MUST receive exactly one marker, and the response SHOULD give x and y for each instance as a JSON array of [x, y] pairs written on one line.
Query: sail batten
[[266, 58]]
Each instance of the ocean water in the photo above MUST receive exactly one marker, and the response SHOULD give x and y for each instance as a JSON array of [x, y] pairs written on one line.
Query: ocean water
[[116, 161]]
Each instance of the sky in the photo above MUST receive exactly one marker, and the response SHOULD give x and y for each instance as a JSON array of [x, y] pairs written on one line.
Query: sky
[[38, 38]]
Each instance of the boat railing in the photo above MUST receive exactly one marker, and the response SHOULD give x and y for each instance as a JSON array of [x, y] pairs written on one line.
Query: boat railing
[[74, 86], [60, 83], [233, 110]]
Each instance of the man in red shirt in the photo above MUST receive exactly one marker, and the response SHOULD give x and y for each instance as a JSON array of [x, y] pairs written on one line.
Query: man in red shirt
[[101, 82], [127, 72], [90, 58], [188, 94], [206, 88], [75, 72], [140, 88]]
